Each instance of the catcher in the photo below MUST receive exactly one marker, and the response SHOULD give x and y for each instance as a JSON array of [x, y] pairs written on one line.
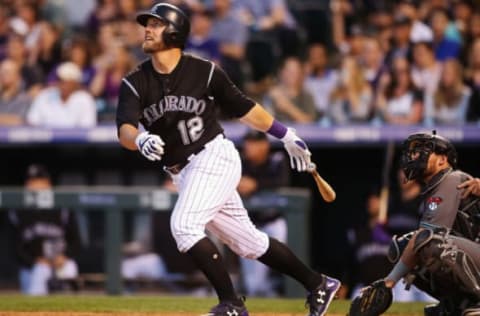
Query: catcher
[[442, 257]]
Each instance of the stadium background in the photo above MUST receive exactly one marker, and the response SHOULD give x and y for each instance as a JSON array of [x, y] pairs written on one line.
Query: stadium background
[[351, 166]]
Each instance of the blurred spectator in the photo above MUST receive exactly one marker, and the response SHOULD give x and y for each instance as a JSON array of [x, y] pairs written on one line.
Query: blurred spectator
[[398, 101], [31, 74], [369, 246], [72, 15], [109, 71], [4, 29], [140, 263], [262, 170], [347, 38], [472, 33], [79, 51], [127, 9], [273, 34], [290, 101], [352, 98], [49, 49], [321, 80], [474, 27], [462, 15], [444, 47], [419, 31], [426, 69], [473, 77], [28, 12], [14, 101], [64, 104], [401, 39], [231, 35], [105, 11], [46, 240], [128, 30], [449, 103], [372, 59], [200, 41], [383, 34], [403, 207]]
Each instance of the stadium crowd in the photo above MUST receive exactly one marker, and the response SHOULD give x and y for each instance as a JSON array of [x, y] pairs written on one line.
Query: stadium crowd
[[325, 62]]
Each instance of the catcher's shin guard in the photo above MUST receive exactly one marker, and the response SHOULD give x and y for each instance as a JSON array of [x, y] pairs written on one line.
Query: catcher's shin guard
[[373, 301]]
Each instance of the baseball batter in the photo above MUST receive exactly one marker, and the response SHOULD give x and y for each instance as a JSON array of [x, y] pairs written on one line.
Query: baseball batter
[[176, 98]]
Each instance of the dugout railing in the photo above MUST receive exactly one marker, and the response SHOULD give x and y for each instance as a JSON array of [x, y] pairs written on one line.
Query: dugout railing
[[115, 200]]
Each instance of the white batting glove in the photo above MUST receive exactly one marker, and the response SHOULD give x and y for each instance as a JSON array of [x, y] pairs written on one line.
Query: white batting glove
[[150, 145], [297, 150]]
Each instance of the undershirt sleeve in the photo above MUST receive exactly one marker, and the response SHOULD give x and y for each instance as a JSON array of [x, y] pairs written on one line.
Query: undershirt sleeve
[[227, 95]]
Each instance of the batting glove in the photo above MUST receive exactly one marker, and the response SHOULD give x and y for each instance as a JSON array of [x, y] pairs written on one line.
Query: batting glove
[[297, 150], [151, 146]]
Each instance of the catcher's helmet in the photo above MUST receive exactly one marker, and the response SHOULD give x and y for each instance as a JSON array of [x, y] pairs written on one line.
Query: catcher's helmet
[[178, 24], [418, 147]]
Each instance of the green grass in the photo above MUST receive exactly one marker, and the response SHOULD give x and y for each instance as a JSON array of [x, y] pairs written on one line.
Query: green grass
[[162, 303]]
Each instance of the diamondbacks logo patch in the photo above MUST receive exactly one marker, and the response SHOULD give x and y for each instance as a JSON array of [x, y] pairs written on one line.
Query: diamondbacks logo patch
[[433, 202]]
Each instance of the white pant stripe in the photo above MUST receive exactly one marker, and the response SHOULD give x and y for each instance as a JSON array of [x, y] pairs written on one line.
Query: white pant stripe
[[208, 199]]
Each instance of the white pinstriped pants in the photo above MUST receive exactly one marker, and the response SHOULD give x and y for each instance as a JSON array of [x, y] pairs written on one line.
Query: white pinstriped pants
[[208, 199]]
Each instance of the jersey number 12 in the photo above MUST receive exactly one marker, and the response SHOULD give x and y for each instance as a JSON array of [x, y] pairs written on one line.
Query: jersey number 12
[[190, 130]]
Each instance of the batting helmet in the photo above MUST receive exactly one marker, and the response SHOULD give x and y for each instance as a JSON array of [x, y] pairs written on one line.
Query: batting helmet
[[418, 147], [178, 24]]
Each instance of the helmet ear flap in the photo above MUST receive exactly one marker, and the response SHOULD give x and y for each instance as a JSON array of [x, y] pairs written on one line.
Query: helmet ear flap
[[170, 35]]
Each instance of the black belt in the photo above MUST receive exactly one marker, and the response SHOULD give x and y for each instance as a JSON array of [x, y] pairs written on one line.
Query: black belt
[[176, 168]]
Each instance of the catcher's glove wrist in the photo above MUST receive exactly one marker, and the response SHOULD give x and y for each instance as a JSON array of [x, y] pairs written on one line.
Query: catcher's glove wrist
[[150, 145], [374, 300]]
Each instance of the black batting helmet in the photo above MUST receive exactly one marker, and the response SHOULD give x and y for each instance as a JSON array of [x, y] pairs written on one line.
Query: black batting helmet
[[178, 24], [423, 144]]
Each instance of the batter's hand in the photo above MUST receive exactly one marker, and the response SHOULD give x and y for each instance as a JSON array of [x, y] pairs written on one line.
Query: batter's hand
[[297, 150], [471, 186], [150, 145]]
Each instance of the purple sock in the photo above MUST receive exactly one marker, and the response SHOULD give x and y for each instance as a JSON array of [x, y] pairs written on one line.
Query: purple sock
[[277, 129]]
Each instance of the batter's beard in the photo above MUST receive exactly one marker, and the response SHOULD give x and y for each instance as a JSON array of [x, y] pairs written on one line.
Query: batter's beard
[[151, 48]]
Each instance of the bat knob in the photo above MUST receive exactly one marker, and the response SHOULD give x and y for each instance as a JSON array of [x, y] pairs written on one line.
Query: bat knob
[[311, 167]]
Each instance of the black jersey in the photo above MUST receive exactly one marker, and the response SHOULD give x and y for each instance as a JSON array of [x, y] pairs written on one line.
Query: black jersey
[[182, 106], [44, 233]]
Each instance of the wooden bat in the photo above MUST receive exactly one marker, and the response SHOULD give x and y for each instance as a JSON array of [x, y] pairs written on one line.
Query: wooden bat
[[385, 191], [326, 191]]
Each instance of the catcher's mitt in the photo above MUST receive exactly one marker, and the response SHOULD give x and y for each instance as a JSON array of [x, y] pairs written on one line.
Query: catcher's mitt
[[373, 301]]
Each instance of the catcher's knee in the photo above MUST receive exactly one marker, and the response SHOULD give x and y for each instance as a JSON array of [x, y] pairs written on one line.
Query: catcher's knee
[[439, 254], [428, 248]]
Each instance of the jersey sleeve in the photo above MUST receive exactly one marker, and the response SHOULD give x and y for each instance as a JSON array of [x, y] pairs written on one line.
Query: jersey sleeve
[[129, 106], [442, 206], [230, 99]]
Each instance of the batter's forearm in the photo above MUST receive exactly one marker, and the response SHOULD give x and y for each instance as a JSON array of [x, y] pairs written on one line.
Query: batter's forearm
[[127, 135], [258, 118]]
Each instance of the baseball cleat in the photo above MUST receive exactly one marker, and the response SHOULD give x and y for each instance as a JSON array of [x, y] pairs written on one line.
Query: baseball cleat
[[319, 299], [228, 309]]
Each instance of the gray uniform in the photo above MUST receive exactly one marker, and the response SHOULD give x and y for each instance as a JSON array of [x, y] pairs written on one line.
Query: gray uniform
[[450, 218]]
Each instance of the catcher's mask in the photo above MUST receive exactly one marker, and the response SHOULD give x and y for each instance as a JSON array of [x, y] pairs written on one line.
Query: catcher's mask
[[417, 149], [178, 24]]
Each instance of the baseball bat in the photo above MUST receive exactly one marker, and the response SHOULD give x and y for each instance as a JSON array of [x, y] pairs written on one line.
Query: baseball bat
[[326, 191], [385, 190]]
